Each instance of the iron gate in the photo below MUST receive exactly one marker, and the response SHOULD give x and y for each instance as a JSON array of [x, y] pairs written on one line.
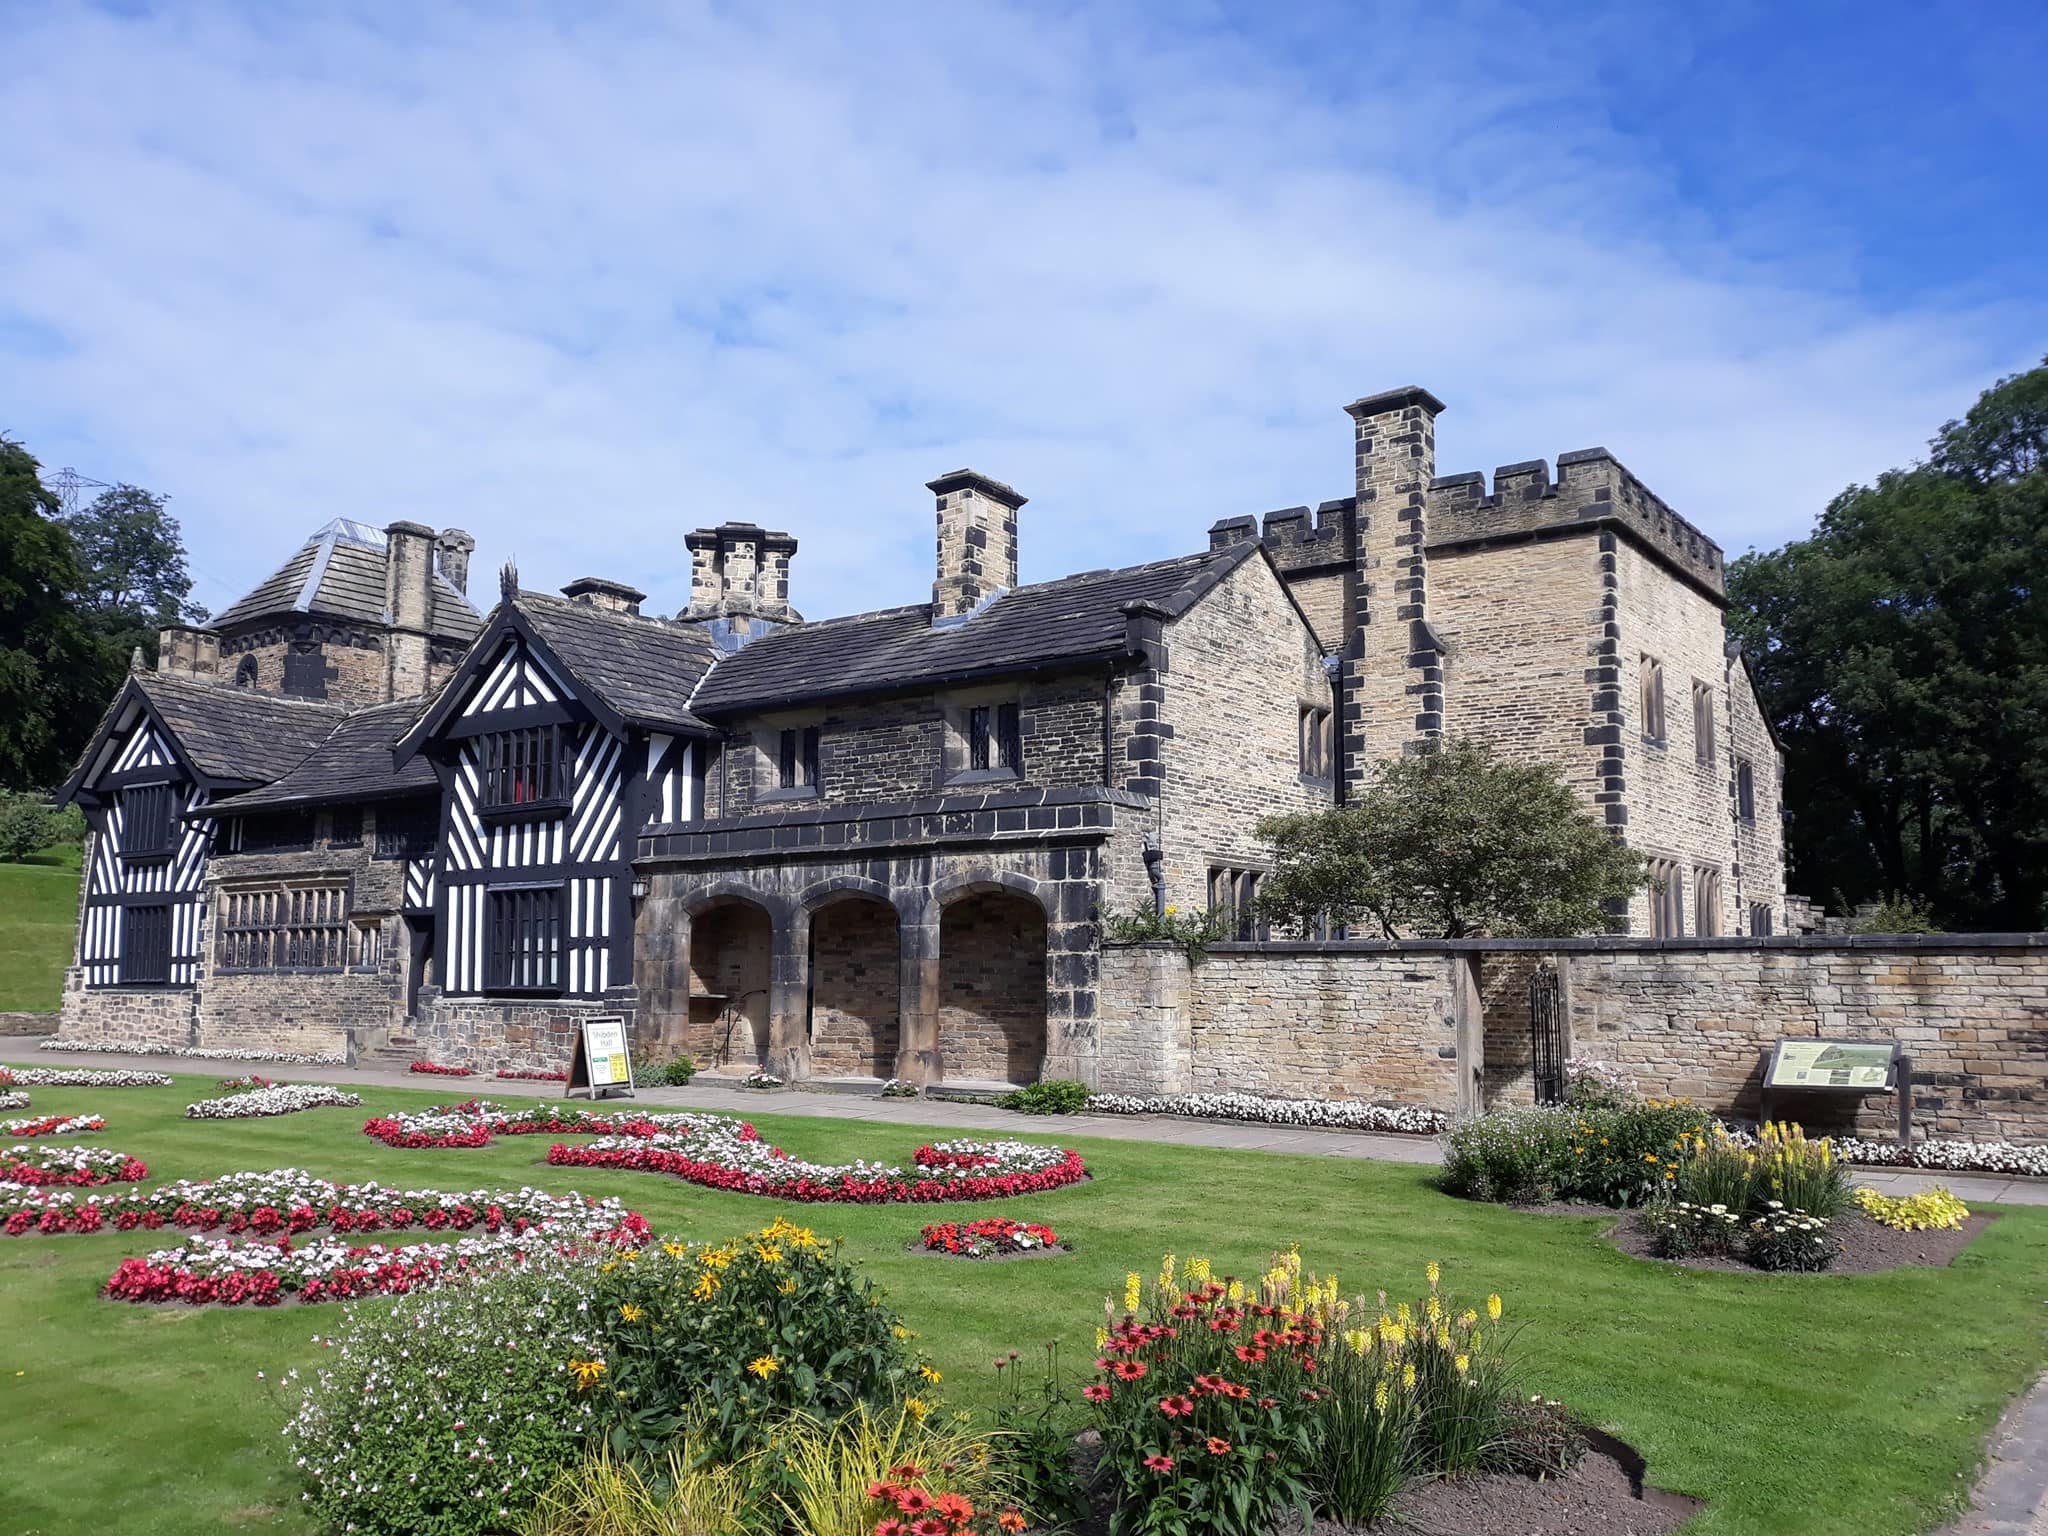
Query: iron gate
[[1546, 1033]]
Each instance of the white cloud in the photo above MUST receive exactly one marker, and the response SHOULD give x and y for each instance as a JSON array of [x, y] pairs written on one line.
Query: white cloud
[[583, 284]]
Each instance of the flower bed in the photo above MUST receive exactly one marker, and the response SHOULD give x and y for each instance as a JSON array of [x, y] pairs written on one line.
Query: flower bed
[[40, 1164], [1948, 1156], [257, 1272], [54, 1125], [1336, 1114], [521, 1074], [247, 1081], [286, 1099], [474, 1122], [952, 1170], [86, 1077], [992, 1237], [290, 1200], [13, 1101], [195, 1052], [435, 1069]]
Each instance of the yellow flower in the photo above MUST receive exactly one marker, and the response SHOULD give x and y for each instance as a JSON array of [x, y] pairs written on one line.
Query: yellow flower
[[764, 1366], [930, 1375], [586, 1372], [1435, 1273], [706, 1286], [1236, 1291], [1467, 1318], [1432, 1309], [675, 1250], [631, 1313], [1101, 1337], [1408, 1377], [1132, 1288], [1462, 1364], [1171, 909], [1379, 1396], [767, 1253], [917, 1408], [1493, 1308], [1402, 1315]]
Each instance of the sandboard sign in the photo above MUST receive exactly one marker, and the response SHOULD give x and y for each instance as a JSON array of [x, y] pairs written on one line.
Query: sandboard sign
[[602, 1062]]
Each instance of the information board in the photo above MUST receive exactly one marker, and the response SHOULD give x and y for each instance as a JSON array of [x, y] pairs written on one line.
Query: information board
[[602, 1061], [1857, 1066]]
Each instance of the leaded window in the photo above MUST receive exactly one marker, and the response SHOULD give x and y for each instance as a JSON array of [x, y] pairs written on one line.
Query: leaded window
[[798, 758], [292, 927], [1667, 899], [524, 942], [1703, 723], [1652, 681], [1745, 790], [521, 768], [147, 822], [1232, 895], [406, 831]]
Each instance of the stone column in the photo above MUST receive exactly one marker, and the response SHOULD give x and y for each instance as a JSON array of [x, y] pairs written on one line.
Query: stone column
[[917, 996], [789, 988]]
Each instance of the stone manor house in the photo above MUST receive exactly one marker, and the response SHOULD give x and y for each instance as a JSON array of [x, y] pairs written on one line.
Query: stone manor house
[[355, 813]]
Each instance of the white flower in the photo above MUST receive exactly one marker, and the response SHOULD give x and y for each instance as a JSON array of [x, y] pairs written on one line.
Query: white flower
[[283, 1100], [194, 1052], [1342, 1114]]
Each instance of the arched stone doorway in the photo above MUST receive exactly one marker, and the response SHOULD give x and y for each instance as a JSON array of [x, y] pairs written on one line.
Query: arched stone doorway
[[732, 946], [991, 1018], [855, 1023]]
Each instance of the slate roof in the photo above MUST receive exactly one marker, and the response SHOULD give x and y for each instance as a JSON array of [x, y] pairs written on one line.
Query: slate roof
[[353, 762], [340, 571], [1071, 621], [643, 668]]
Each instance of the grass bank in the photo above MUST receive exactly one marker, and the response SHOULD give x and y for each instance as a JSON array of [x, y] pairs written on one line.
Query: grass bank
[[1852, 1404], [38, 914]]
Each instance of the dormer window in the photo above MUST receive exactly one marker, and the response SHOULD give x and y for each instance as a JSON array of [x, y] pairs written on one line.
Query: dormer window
[[146, 822], [523, 772]]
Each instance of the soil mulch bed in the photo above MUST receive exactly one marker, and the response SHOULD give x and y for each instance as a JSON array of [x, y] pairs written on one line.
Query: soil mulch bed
[[1868, 1247], [1056, 1251], [1603, 1495]]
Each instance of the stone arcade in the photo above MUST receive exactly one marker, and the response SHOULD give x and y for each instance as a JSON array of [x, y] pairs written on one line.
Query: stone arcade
[[356, 815]]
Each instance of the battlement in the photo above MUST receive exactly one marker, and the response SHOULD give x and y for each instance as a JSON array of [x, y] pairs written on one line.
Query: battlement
[[1295, 538], [1591, 487]]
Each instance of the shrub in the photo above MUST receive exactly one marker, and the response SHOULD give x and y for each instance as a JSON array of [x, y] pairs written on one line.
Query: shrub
[[845, 1476], [1512, 1155], [1934, 1210], [508, 1368], [718, 1340], [1784, 1238], [1032, 1444], [27, 822], [1680, 1229], [1792, 1171], [1054, 1096], [603, 1496], [1592, 1084], [1194, 931], [665, 1074], [1627, 1155]]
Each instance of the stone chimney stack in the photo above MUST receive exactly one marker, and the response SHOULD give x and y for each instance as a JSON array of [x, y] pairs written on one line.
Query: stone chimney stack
[[596, 592], [977, 542], [451, 557], [739, 570], [185, 650], [408, 607]]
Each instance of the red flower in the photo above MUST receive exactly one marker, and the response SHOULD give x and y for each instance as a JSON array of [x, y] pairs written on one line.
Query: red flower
[[1218, 1447], [1176, 1407], [881, 1491], [1249, 1355], [1128, 1370], [955, 1509], [913, 1501], [1096, 1392], [889, 1528], [1159, 1463], [1009, 1520], [908, 1472], [930, 1525]]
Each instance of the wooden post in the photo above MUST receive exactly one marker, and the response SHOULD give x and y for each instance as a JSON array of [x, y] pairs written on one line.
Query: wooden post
[[1468, 1016]]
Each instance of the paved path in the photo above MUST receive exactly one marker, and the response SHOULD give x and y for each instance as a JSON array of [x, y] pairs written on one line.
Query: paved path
[[705, 1093], [2012, 1498]]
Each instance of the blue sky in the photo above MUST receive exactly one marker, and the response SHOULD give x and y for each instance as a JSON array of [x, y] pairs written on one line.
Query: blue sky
[[582, 278]]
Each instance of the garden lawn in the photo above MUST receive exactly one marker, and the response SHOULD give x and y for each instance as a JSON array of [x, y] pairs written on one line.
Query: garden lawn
[[38, 919], [1857, 1404]]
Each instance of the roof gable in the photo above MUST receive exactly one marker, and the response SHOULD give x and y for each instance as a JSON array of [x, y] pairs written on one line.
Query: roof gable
[[224, 738]]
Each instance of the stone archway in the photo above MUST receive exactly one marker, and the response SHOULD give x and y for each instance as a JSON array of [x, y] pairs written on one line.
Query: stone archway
[[855, 1020], [732, 947], [991, 1002]]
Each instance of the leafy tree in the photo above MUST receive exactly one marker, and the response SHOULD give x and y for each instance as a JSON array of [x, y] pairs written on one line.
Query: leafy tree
[[135, 580], [29, 822], [1452, 843], [1902, 653], [55, 671]]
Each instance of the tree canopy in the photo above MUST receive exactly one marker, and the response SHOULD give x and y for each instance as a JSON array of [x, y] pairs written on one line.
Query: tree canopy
[[1451, 843], [1902, 653], [134, 581]]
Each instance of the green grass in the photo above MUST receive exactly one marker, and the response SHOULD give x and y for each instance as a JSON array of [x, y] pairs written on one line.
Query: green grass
[[38, 917], [1852, 1404]]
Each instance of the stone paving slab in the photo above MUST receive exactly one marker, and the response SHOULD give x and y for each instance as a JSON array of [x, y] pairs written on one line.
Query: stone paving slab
[[711, 1094], [2012, 1497]]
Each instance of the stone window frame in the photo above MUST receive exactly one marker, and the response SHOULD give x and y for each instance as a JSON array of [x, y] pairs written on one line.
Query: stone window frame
[[1667, 898], [1745, 791], [1004, 762], [1232, 889], [345, 826], [285, 927], [1762, 921], [1651, 695], [790, 758], [1707, 901], [1703, 730], [1316, 743]]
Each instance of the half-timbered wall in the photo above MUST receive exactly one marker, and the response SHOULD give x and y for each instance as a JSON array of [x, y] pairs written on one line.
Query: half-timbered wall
[[490, 929], [160, 945]]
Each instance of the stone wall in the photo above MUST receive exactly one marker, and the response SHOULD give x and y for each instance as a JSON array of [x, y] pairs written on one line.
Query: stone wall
[[160, 1016], [21, 1025], [1240, 667], [1690, 1017], [992, 993], [490, 1033], [855, 986]]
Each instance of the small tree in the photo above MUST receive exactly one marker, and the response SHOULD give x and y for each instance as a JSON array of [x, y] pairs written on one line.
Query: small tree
[[1451, 843], [28, 822]]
